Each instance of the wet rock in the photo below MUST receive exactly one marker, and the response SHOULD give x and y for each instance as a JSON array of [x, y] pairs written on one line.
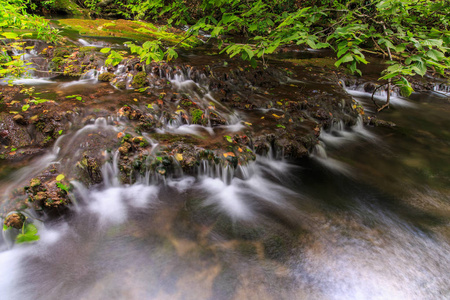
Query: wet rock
[[14, 220], [140, 141], [48, 195], [89, 170], [121, 85], [35, 184], [19, 119], [370, 87], [125, 148], [381, 123]]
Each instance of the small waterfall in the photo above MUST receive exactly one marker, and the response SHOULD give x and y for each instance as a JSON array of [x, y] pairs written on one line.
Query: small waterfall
[[123, 77], [364, 92], [320, 155], [90, 77], [337, 135], [86, 43], [442, 89], [110, 171], [35, 69], [320, 151]]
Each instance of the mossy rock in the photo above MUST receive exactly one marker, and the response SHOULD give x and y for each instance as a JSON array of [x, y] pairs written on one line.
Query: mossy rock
[[61, 52], [87, 49], [121, 85], [140, 80], [106, 77]]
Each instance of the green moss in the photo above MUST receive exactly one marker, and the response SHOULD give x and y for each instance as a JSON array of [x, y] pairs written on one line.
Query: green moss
[[197, 116], [140, 80], [61, 52], [121, 85], [314, 62], [106, 77], [136, 30], [35, 183], [87, 49]]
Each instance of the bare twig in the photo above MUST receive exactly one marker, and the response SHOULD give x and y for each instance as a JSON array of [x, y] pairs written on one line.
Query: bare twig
[[374, 91]]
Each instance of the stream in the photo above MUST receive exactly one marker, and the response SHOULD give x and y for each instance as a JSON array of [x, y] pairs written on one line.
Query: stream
[[364, 216]]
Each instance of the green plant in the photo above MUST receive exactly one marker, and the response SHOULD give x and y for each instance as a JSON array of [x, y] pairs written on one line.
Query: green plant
[[14, 15], [77, 97], [63, 187], [114, 57], [28, 235], [197, 116]]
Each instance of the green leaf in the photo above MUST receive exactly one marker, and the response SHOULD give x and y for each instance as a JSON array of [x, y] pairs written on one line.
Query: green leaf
[[29, 234], [228, 138], [435, 55], [216, 31], [63, 187], [249, 52], [346, 58], [25, 107], [272, 47], [405, 87], [105, 50], [10, 35], [342, 51], [421, 68]]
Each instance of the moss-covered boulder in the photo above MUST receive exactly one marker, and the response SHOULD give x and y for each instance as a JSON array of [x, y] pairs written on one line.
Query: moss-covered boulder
[[140, 80], [106, 77]]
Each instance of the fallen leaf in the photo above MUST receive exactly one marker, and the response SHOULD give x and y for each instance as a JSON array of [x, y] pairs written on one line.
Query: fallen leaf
[[60, 177], [178, 156]]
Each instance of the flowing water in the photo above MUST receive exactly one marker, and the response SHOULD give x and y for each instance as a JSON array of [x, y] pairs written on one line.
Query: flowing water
[[366, 216]]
